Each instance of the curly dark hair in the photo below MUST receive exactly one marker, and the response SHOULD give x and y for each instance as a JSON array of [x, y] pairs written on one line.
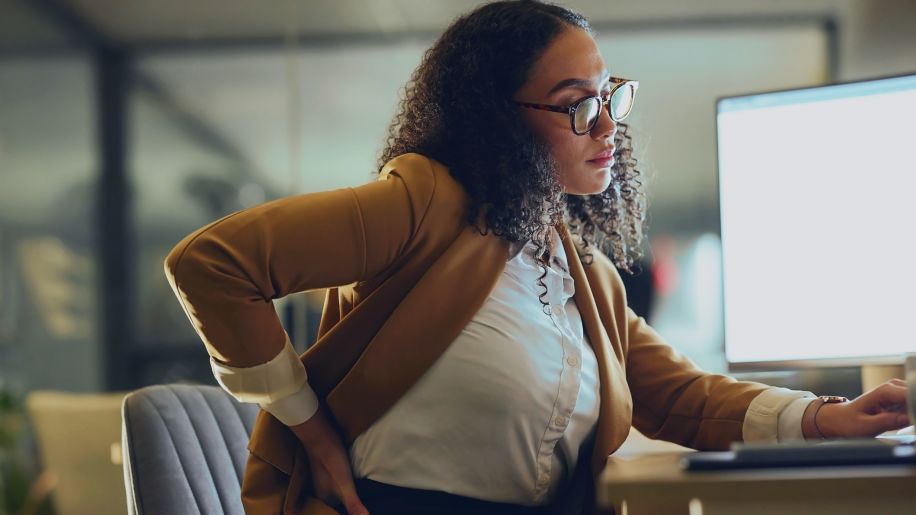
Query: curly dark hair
[[457, 109]]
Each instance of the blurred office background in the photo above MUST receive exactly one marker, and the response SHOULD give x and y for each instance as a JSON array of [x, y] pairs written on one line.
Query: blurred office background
[[125, 125]]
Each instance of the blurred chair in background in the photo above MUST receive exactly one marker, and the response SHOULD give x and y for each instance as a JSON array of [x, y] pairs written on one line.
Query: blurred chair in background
[[79, 439], [185, 448]]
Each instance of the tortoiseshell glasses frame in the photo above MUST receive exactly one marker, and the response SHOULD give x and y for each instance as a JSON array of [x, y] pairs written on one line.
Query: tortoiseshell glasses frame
[[625, 89]]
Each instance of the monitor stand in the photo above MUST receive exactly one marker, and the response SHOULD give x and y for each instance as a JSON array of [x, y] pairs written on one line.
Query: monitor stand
[[874, 375]]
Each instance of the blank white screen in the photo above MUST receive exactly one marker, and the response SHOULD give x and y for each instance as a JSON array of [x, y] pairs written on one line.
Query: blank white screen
[[817, 203]]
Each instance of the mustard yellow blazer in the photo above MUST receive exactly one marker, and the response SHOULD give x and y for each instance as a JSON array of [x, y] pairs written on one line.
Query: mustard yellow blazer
[[405, 273]]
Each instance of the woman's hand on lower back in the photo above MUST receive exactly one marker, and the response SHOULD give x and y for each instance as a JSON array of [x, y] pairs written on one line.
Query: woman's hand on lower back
[[330, 465]]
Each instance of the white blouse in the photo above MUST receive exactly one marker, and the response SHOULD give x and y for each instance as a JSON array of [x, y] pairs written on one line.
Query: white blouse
[[501, 414]]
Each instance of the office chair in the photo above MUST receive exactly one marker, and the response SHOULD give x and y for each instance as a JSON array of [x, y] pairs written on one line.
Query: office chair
[[185, 448]]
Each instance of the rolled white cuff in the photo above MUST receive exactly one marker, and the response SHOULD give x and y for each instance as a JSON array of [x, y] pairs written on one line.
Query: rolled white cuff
[[790, 419], [279, 386], [294, 409], [764, 421]]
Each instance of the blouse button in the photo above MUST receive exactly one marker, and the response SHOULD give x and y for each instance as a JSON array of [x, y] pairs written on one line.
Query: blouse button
[[572, 361], [557, 310], [561, 421], [543, 479]]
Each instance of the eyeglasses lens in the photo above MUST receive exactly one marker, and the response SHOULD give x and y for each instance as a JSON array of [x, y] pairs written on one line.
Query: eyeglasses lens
[[622, 102], [619, 106], [586, 115]]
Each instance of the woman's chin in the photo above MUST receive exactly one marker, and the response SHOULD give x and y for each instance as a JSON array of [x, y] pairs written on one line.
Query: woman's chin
[[588, 180]]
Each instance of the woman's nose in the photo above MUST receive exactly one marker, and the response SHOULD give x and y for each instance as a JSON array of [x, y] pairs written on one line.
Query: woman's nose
[[604, 128]]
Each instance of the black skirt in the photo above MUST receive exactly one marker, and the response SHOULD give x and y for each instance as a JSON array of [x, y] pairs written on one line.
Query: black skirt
[[576, 497], [385, 499]]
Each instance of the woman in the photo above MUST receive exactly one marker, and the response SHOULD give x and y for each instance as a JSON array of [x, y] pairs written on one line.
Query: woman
[[476, 354]]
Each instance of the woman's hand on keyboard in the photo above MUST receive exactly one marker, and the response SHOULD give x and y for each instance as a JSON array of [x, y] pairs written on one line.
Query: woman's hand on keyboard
[[881, 409]]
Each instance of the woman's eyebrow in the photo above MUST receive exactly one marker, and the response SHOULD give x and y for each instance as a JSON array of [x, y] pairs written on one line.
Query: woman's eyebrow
[[577, 83], [570, 83]]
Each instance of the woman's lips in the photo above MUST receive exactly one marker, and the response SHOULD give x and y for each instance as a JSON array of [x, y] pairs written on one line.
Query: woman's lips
[[603, 159], [602, 163]]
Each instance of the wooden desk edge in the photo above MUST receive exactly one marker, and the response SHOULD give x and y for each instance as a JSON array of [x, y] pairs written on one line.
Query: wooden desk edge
[[644, 476]]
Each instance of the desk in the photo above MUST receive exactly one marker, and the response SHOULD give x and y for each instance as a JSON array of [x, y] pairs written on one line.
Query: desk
[[654, 484]]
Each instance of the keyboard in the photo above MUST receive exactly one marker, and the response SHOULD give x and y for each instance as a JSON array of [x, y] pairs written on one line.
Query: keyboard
[[844, 452]]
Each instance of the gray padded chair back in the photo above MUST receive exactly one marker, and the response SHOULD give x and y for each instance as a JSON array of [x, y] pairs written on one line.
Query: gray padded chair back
[[185, 449]]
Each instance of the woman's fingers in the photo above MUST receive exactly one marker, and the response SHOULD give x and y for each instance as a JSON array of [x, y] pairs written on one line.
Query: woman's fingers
[[333, 480], [893, 396], [889, 396], [888, 421], [342, 476], [349, 498], [337, 488], [323, 488], [330, 465], [880, 409]]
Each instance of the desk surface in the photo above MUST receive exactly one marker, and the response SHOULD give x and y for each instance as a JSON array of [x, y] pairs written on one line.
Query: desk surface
[[645, 478]]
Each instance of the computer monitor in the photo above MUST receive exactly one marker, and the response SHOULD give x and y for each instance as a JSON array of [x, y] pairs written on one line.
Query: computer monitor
[[817, 191]]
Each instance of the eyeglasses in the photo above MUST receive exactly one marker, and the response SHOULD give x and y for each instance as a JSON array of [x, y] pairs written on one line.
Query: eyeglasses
[[584, 113]]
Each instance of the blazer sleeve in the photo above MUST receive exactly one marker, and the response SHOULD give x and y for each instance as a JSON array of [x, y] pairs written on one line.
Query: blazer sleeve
[[674, 400], [227, 273]]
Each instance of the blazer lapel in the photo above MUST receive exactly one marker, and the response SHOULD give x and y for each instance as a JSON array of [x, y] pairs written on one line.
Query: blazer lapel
[[616, 405]]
